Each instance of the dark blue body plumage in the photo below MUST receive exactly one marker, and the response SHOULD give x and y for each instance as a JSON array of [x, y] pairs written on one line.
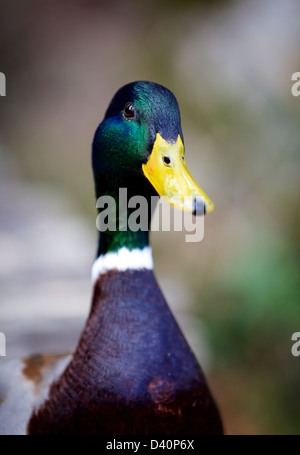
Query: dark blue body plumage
[[132, 373]]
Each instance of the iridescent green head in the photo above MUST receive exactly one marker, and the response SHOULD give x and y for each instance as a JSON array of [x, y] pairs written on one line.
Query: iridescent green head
[[125, 138], [139, 146]]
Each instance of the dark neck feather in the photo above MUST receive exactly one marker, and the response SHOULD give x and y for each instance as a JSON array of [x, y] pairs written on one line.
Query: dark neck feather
[[132, 372], [143, 199]]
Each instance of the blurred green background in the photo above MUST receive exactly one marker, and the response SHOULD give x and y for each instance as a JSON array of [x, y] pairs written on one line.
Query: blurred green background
[[237, 293]]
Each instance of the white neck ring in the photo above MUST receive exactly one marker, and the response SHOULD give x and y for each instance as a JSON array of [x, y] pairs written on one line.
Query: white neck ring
[[121, 260]]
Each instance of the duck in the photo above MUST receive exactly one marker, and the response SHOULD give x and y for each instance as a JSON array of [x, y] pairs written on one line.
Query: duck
[[132, 372]]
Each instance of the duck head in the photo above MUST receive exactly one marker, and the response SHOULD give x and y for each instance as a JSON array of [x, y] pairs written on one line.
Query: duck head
[[139, 146]]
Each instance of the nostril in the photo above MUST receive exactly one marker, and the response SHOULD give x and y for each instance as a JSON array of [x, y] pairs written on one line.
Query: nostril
[[167, 160]]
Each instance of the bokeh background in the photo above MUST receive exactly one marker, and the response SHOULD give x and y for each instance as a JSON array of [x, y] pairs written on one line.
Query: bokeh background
[[236, 294]]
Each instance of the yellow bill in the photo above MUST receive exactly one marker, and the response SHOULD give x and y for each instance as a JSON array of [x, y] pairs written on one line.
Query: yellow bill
[[167, 172]]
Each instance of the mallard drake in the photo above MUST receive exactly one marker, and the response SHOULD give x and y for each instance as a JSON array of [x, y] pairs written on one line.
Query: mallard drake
[[132, 371]]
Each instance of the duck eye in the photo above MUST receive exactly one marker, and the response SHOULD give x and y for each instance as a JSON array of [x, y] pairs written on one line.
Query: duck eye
[[129, 111], [166, 160]]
